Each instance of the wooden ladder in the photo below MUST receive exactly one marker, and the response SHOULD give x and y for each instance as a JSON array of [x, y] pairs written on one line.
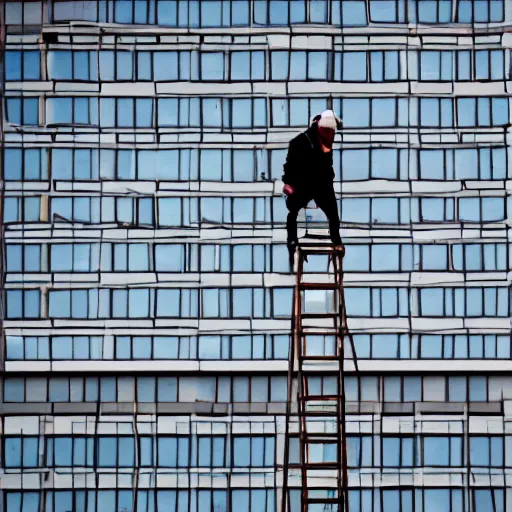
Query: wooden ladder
[[320, 414]]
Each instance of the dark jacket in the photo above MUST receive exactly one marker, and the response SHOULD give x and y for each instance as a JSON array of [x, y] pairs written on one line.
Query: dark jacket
[[306, 165]]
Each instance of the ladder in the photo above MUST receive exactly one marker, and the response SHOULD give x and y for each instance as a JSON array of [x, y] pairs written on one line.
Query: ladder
[[320, 413]]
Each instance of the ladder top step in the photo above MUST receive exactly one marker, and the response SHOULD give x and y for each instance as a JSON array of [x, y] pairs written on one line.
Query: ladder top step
[[312, 248]]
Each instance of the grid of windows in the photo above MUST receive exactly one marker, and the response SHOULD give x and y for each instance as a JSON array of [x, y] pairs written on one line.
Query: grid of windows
[[249, 165], [242, 13], [251, 500], [243, 389], [176, 211], [244, 113], [207, 451], [254, 258], [256, 347], [143, 265], [258, 65], [248, 302]]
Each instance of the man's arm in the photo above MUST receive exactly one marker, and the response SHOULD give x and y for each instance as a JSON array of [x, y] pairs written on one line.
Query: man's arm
[[291, 164]]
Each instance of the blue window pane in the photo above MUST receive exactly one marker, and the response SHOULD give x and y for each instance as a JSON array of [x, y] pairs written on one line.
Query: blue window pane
[[144, 112], [353, 13], [354, 66], [432, 300], [429, 112], [241, 66], [500, 114], [467, 112], [212, 66], [211, 12], [469, 209], [168, 303], [383, 10], [356, 113]]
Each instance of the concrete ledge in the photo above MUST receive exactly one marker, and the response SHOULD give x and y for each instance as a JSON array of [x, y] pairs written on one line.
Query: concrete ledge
[[398, 408], [440, 408], [75, 408], [27, 408]]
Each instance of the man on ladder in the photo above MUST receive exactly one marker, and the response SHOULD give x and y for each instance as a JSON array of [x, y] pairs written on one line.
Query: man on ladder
[[309, 174]]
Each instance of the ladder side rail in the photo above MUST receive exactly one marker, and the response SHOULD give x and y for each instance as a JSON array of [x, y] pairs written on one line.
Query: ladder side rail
[[302, 389], [285, 500], [341, 347]]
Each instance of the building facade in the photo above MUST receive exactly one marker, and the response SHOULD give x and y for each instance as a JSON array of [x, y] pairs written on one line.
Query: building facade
[[146, 301]]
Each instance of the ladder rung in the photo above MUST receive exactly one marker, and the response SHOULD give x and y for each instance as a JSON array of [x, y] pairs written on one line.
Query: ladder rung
[[321, 398], [320, 465], [313, 437], [319, 286], [319, 315], [315, 412], [320, 358], [324, 501]]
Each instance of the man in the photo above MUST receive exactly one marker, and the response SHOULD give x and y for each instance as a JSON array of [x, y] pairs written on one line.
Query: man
[[309, 174]]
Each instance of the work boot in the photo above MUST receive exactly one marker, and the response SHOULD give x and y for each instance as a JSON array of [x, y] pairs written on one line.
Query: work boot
[[292, 247]]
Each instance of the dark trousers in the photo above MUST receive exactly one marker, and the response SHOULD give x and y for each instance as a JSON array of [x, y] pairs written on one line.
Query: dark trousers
[[325, 199]]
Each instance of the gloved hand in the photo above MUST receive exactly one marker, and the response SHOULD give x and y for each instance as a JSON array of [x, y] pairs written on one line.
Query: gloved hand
[[288, 190]]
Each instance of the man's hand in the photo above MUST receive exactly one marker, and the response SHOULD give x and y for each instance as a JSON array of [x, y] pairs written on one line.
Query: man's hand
[[288, 190]]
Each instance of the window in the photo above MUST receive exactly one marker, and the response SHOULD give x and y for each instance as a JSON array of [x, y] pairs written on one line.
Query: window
[[77, 65], [398, 452], [21, 452], [127, 210], [485, 209], [72, 111], [254, 451], [69, 452], [386, 11], [486, 451], [74, 257], [460, 302], [75, 209], [431, 11], [22, 209], [22, 111], [463, 164], [126, 257], [76, 164], [479, 257], [23, 304], [23, 258], [25, 164], [480, 112], [212, 66], [210, 451], [20, 348], [22, 65], [436, 65], [247, 65], [442, 451], [481, 11]]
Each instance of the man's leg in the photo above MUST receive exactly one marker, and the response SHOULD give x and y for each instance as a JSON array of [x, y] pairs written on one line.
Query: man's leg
[[325, 199], [294, 203]]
